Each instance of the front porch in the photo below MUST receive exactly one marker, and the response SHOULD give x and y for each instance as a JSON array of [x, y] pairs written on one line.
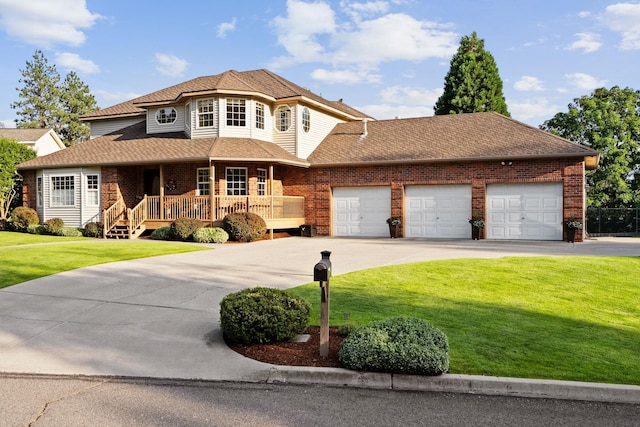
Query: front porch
[[120, 221]]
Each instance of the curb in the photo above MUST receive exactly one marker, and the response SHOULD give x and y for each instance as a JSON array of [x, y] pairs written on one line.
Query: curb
[[453, 383]]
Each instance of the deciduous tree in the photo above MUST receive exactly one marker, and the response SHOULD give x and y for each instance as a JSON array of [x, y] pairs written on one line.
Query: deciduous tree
[[473, 83], [609, 121], [11, 154]]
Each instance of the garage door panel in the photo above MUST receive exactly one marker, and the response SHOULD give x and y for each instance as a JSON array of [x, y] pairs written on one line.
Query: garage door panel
[[438, 211], [524, 211], [361, 211]]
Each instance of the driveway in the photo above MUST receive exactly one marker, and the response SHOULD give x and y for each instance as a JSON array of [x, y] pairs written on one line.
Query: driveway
[[158, 317]]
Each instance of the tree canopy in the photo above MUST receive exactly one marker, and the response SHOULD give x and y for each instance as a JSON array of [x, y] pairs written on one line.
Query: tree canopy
[[46, 102], [608, 121], [12, 153], [473, 83]]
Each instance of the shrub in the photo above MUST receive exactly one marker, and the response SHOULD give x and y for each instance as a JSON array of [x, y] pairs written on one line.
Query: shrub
[[183, 228], [69, 232], [54, 226], [244, 226], [162, 233], [262, 315], [93, 229], [36, 229], [398, 345], [22, 217], [210, 235]]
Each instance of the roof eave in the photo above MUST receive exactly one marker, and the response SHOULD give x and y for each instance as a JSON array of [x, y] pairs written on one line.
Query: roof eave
[[113, 116]]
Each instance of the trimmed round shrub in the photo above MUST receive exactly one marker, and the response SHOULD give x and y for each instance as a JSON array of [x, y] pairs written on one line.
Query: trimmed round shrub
[[400, 345], [262, 315], [69, 232], [162, 233], [183, 228], [22, 217], [244, 226], [36, 229], [210, 235], [54, 226], [93, 229]]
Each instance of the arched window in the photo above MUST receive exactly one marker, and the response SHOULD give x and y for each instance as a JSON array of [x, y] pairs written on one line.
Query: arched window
[[306, 119], [283, 118]]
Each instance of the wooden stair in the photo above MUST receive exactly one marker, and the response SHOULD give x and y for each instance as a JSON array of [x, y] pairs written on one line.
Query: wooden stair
[[121, 231]]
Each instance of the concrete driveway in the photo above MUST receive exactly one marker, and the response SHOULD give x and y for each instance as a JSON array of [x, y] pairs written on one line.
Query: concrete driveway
[[158, 317]]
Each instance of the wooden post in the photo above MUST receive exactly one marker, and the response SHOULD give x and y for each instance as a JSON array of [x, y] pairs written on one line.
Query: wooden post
[[212, 193], [324, 319], [161, 192]]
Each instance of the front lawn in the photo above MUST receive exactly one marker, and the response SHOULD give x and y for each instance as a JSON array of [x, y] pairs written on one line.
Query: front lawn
[[566, 318], [21, 263]]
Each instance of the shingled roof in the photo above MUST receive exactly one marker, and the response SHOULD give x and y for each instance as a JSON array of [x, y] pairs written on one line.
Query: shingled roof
[[262, 83], [456, 137], [132, 146], [23, 135]]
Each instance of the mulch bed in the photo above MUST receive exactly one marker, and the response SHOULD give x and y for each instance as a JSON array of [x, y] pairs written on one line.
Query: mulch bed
[[295, 354]]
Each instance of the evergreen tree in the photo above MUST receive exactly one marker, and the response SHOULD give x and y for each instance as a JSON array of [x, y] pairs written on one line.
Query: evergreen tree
[[76, 101], [39, 106], [473, 83], [608, 121]]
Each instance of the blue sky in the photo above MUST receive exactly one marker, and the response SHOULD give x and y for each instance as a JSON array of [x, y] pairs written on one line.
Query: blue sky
[[386, 58]]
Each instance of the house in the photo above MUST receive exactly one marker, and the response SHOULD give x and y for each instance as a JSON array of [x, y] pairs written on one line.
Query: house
[[254, 141], [43, 141]]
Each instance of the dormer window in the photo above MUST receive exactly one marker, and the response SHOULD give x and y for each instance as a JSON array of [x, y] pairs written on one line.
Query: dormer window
[[236, 112], [306, 119], [205, 113], [283, 118], [166, 116]]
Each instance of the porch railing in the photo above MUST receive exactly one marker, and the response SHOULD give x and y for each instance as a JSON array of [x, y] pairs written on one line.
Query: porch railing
[[113, 214], [137, 215]]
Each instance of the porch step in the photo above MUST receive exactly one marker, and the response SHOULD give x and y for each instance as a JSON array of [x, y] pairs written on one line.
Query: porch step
[[120, 231]]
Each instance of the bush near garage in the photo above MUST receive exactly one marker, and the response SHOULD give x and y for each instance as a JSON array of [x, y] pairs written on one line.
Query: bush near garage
[[210, 235], [54, 226], [244, 226], [93, 229], [401, 345], [262, 315], [22, 217], [161, 233], [183, 228]]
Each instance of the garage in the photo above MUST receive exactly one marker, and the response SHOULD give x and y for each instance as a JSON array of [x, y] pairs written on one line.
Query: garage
[[361, 211], [524, 211], [438, 211]]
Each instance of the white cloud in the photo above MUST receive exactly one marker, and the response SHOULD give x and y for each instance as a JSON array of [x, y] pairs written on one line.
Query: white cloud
[[310, 33], [533, 108], [528, 84], [584, 81], [588, 42], [225, 27], [9, 124], [624, 18], [74, 62], [170, 65], [411, 96], [45, 23], [115, 96], [345, 76]]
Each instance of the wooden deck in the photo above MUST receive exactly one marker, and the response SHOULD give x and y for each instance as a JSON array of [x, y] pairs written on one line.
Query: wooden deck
[[152, 212]]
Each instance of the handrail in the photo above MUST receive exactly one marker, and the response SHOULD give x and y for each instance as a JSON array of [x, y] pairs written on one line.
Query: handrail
[[137, 215], [112, 215]]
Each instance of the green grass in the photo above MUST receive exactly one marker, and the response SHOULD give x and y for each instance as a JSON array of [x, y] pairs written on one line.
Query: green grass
[[566, 318], [9, 238], [21, 263]]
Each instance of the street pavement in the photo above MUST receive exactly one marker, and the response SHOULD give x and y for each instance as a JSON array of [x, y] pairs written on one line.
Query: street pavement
[[159, 317]]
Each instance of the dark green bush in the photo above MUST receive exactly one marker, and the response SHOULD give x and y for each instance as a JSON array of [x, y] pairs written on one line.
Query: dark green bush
[[69, 232], [93, 229], [262, 315], [183, 228], [162, 233], [244, 226], [210, 235], [54, 226], [22, 217], [36, 229], [398, 345]]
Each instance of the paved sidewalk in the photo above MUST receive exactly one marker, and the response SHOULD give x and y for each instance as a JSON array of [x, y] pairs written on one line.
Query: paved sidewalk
[[158, 317]]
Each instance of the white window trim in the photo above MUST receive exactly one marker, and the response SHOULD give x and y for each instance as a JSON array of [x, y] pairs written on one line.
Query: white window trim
[[240, 103], [39, 191], [212, 112], [173, 113], [262, 185], [187, 115], [92, 191], [246, 184], [277, 118], [260, 107], [306, 124], [202, 183], [52, 202]]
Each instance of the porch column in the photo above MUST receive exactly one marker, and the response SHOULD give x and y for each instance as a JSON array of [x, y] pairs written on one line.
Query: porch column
[[212, 193], [161, 192], [270, 191]]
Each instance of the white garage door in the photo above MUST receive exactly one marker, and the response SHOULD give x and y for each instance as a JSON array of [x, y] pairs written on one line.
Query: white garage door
[[524, 211], [361, 211], [438, 211]]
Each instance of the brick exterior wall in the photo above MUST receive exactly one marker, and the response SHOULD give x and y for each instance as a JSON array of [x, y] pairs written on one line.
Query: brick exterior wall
[[315, 184]]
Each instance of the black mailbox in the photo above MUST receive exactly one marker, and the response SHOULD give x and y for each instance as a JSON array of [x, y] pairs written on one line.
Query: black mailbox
[[322, 270]]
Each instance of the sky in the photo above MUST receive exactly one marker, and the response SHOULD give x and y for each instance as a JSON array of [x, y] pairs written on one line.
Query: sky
[[385, 58]]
